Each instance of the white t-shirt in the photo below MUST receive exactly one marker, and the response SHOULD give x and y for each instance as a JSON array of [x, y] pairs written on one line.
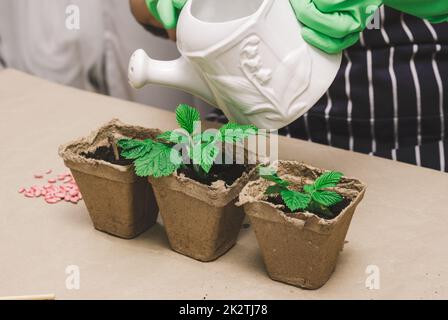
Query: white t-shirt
[[34, 38]]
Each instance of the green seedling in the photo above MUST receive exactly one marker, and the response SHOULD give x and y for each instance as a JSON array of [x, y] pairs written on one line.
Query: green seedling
[[164, 156], [314, 198]]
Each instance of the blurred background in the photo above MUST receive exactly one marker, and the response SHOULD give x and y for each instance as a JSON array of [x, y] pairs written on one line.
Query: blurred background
[[34, 38]]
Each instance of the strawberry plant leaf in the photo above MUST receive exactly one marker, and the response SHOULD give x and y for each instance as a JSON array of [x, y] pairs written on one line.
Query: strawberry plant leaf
[[161, 161], [328, 180], [272, 176], [327, 198], [210, 152], [133, 149], [309, 188], [204, 155], [129, 143], [295, 200], [187, 117], [174, 137], [233, 132], [273, 190]]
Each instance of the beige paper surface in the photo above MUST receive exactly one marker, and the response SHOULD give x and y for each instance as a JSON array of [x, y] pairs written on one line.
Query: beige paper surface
[[401, 227]]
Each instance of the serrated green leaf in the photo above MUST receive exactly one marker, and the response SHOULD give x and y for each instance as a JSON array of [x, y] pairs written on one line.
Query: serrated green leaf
[[129, 143], [328, 180], [209, 153], [204, 155], [161, 161], [203, 150], [273, 190], [233, 132], [208, 136], [295, 200], [270, 175], [327, 198], [309, 188], [133, 149], [174, 137], [187, 117]]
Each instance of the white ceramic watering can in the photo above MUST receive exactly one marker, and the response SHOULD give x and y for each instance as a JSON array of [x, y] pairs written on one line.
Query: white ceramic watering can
[[246, 57]]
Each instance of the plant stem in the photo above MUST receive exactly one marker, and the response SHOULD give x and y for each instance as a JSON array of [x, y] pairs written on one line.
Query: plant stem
[[114, 148]]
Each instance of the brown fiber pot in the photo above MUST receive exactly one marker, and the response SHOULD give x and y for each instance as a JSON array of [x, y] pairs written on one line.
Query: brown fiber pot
[[202, 222], [119, 202], [300, 250]]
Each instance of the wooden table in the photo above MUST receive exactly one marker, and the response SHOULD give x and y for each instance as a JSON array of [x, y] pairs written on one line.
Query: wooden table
[[401, 228]]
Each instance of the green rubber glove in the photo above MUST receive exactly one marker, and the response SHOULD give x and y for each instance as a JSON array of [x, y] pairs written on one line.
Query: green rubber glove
[[334, 25], [435, 11], [166, 11]]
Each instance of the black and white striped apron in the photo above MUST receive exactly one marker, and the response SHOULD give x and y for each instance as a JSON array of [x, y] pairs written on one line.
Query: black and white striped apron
[[389, 98]]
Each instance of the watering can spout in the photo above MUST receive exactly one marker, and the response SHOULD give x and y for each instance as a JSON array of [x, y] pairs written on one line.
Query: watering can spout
[[178, 73]]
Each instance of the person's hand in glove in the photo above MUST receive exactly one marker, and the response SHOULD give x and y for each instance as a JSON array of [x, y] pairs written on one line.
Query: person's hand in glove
[[166, 11], [334, 25], [435, 11], [158, 15]]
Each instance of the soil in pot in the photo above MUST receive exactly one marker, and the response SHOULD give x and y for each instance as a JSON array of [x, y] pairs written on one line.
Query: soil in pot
[[224, 172], [299, 248], [107, 154], [335, 210], [119, 202], [199, 215]]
